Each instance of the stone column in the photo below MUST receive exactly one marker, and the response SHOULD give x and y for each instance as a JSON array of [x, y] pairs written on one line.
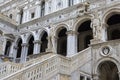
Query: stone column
[[24, 52], [37, 45], [71, 42]]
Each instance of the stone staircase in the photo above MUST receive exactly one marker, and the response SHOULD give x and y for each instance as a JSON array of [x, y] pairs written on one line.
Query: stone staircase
[[49, 67]]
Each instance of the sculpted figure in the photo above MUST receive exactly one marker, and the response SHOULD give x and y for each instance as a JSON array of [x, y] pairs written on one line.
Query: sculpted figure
[[96, 25]]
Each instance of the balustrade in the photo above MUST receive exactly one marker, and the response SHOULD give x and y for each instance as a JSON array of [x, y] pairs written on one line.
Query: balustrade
[[9, 68]]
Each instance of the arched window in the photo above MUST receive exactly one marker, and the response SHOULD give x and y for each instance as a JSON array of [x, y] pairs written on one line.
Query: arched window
[[85, 35], [7, 48], [31, 46], [19, 48], [62, 42], [44, 42], [43, 8], [113, 30]]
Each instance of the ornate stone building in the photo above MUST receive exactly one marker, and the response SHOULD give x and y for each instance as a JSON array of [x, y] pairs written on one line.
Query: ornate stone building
[[59, 39]]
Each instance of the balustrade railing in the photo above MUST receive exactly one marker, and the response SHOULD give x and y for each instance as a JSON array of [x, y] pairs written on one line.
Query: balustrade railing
[[8, 68]]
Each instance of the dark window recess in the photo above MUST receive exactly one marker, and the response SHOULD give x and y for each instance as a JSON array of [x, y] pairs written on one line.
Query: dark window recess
[[81, 77], [70, 2], [32, 15], [88, 78], [21, 13], [11, 16], [42, 9]]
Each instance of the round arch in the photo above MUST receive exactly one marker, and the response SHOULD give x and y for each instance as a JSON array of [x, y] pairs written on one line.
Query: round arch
[[109, 13], [111, 19], [104, 60], [60, 27], [80, 21]]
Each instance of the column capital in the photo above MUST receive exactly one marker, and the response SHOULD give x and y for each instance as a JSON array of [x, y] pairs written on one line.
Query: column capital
[[15, 47], [49, 37], [71, 32], [24, 44], [37, 42], [105, 25]]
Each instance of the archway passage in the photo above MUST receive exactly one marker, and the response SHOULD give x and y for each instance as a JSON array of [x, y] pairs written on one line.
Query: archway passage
[[85, 35], [113, 30], [7, 48], [44, 42], [31, 46], [19, 48], [108, 71], [62, 42]]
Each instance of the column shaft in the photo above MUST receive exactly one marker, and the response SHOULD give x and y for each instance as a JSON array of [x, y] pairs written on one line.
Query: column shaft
[[71, 43], [24, 52]]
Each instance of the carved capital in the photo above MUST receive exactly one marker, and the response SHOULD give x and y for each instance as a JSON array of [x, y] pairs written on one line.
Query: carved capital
[[24, 45], [15, 47], [71, 32], [105, 25], [37, 42]]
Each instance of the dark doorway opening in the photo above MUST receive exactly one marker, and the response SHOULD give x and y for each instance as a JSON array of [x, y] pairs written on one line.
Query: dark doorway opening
[[108, 71]]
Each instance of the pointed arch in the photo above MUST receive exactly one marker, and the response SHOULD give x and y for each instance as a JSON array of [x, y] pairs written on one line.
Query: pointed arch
[[30, 45], [44, 41], [19, 47]]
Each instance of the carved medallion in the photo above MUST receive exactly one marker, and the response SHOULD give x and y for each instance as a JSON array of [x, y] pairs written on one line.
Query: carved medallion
[[106, 50]]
